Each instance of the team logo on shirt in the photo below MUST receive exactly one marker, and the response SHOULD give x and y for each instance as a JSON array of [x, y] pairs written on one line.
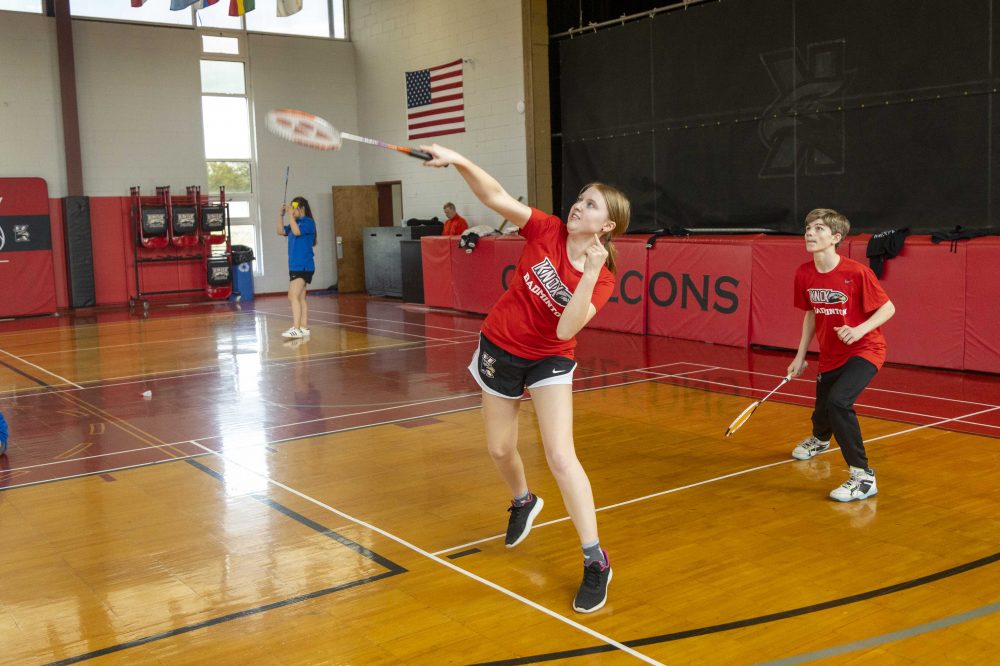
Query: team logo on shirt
[[821, 297], [547, 285]]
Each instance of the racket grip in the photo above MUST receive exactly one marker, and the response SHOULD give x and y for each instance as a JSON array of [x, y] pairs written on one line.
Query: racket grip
[[421, 154]]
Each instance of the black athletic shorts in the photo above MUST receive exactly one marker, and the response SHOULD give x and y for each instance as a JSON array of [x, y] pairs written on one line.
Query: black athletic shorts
[[304, 275], [504, 375]]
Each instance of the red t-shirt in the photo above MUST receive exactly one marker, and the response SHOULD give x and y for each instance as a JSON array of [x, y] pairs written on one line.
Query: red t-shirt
[[524, 320], [454, 226], [848, 294]]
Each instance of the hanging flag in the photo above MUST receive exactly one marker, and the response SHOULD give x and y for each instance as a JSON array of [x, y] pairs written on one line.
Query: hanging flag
[[201, 4], [240, 7], [177, 5], [435, 104], [289, 7], [138, 3]]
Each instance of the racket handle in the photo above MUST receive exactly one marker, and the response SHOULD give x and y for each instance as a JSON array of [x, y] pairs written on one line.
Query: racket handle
[[421, 154]]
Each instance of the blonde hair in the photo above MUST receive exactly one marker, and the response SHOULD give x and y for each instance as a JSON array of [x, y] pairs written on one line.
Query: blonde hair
[[837, 222], [619, 212]]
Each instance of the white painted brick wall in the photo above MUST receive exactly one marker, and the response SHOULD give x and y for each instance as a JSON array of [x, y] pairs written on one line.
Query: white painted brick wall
[[392, 37]]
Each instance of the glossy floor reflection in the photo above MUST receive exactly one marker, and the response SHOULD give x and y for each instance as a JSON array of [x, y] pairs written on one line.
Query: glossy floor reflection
[[188, 487]]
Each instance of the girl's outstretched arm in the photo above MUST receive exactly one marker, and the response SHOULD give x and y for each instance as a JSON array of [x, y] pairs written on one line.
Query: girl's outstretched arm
[[483, 185]]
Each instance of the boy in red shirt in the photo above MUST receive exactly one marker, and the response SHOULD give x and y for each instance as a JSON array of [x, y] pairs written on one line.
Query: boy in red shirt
[[564, 276], [455, 224], [845, 306]]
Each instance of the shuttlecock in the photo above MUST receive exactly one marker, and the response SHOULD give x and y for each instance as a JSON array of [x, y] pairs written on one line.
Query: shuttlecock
[[147, 394]]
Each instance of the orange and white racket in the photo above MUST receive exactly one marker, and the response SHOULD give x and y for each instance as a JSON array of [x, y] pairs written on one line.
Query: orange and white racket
[[748, 412], [312, 131]]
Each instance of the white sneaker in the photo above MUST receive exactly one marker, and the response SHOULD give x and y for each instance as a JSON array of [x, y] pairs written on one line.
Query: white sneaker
[[809, 447], [304, 331], [860, 486], [292, 333]]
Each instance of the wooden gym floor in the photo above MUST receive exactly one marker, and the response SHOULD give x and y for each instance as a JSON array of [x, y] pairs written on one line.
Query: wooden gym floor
[[331, 502]]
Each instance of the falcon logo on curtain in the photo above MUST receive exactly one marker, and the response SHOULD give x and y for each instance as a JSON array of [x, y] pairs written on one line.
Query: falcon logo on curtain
[[240, 7], [435, 103]]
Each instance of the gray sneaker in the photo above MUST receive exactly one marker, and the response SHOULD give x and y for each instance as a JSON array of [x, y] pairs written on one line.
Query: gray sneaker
[[809, 447], [860, 486]]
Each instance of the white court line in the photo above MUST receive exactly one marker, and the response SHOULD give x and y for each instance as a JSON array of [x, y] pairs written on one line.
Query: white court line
[[434, 558], [712, 480], [287, 425], [396, 321], [867, 389], [859, 404], [292, 424], [38, 367]]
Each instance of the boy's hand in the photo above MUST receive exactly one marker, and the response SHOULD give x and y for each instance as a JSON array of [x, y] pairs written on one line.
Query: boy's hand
[[797, 367]]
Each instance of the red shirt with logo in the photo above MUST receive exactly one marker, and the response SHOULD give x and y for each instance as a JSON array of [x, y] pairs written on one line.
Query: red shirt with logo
[[524, 320], [454, 226], [848, 294]]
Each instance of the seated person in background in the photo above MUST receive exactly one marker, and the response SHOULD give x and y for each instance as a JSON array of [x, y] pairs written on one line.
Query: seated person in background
[[455, 224]]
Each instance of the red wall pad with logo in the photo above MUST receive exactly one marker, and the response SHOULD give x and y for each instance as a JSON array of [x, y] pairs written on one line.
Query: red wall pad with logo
[[476, 287], [982, 316], [435, 258], [699, 289], [506, 253], [25, 248], [926, 283], [774, 319], [625, 311], [486, 272]]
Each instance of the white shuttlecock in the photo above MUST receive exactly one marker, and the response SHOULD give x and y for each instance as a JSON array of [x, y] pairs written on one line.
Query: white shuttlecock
[[147, 394]]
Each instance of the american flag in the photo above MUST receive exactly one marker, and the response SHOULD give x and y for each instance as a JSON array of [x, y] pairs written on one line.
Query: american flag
[[435, 103]]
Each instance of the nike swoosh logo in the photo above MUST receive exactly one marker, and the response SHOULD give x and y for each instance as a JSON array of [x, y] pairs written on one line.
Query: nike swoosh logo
[[556, 372]]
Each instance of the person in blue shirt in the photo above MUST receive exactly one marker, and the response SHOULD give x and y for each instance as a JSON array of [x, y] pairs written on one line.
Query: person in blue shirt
[[3, 435], [300, 229]]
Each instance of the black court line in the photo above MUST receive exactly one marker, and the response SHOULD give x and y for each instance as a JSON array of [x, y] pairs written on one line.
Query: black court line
[[750, 622], [393, 570], [471, 551], [40, 382]]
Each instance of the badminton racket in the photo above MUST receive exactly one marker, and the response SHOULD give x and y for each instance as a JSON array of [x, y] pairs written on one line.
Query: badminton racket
[[284, 197], [748, 412], [312, 131]]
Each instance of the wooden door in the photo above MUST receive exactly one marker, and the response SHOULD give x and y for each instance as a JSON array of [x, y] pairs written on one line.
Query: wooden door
[[354, 208]]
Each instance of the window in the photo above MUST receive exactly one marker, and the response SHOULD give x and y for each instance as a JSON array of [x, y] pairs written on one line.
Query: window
[[223, 45], [31, 6], [313, 20], [316, 18], [154, 11], [229, 155]]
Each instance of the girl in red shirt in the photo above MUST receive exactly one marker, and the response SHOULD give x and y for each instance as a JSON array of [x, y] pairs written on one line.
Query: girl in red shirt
[[845, 306], [564, 276]]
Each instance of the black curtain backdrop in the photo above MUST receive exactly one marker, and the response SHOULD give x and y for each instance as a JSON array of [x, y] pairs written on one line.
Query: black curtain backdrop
[[750, 113]]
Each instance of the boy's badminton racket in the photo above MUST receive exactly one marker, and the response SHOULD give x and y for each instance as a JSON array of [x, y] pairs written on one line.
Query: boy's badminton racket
[[748, 412], [284, 197], [314, 132]]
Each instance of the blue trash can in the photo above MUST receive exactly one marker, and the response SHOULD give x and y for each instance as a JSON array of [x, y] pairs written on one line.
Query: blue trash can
[[242, 273]]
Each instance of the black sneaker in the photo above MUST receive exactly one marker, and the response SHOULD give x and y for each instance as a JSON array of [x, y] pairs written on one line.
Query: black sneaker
[[521, 518], [594, 588]]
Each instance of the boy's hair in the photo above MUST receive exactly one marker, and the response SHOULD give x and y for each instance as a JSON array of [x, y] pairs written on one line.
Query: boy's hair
[[449, 205], [837, 222]]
